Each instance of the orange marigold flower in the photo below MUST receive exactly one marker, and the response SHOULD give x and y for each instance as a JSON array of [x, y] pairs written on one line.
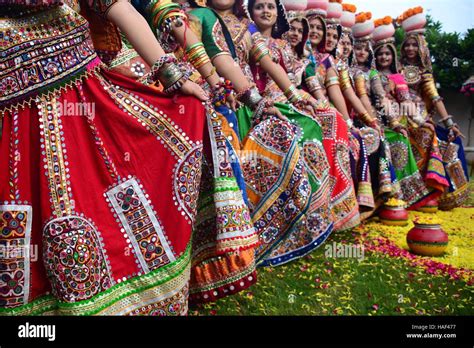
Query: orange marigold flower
[[387, 20], [349, 8], [361, 17], [339, 1]]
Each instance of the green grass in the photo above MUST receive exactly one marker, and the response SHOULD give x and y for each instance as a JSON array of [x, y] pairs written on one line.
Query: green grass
[[320, 285]]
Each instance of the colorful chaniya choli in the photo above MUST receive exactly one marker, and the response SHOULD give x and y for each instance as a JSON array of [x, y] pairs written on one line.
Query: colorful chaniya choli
[[110, 220], [367, 82], [275, 175], [317, 224], [442, 162], [361, 174], [413, 189], [220, 206], [344, 205], [424, 141]]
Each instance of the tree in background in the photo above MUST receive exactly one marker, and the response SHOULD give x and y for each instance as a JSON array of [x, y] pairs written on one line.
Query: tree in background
[[451, 54]]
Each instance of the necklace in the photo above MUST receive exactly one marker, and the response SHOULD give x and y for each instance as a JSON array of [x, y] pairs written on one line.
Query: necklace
[[412, 74]]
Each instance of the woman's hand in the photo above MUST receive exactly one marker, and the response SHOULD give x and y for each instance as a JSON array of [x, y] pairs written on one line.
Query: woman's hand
[[454, 132], [190, 88], [375, 125], [275, 112], [402, 131], [231, 102], [430, 126]]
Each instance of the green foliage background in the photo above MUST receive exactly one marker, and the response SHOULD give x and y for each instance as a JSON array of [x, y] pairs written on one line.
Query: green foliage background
[[446, 48]]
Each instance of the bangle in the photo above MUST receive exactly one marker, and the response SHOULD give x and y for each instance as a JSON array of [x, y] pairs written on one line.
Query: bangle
[[197, 55], [313, 84], [331, 81], [350, 123], [448, 122], [259, 49], [213, 71], [169, 74], [258, 113], [344, 79], [366, 118], [291, 93], [155, 68], [251, 97], [360, 86]]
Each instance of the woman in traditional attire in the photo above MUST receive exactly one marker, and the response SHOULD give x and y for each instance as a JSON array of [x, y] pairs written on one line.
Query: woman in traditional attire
[[446, 142], [112, 218], [222, 193], [356, 50], [275, 176], [395, 113], [355, 108], [269, 17], [249, 43], [321, 74]]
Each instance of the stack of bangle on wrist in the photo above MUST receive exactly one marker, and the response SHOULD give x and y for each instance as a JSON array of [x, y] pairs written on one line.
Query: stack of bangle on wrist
[[448, 122], [250, 97], [313, 84], [292, 94], [197, 55], [366, 118], [167, 71]]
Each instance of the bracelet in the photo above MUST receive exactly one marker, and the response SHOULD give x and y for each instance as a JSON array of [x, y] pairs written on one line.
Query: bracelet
[[156, 67], [291, 93], [360, 86], [259, 49], [169, 74], [331, 81], [366, 118], [313, 84], [251, 97], [448, 122], [345, 80], [350, 123], [197, 55], [213, 71], [258, 113]]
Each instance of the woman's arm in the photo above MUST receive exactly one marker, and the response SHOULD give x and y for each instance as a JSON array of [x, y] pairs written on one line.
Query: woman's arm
[[334, 92], [139, 34], [137, 31], [185, 36]]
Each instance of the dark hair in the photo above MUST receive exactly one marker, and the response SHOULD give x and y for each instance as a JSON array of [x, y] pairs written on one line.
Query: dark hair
[[393, 66], [281, 22], [300, 47], [403, 58], [339, 34], [370, 59], [322, 44]]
